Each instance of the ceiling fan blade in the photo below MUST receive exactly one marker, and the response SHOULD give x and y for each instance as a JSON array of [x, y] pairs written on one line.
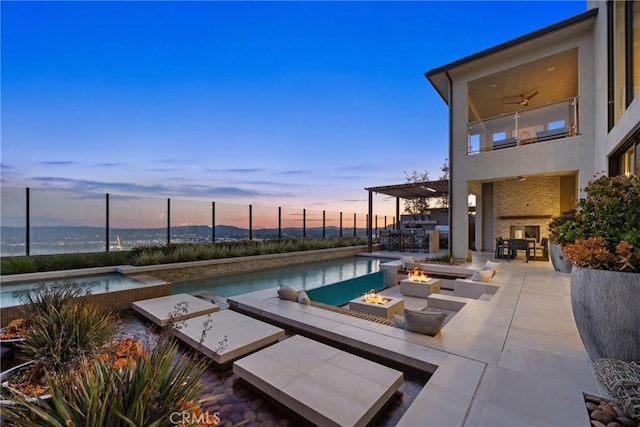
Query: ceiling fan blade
[[513, 102], [532, 95]]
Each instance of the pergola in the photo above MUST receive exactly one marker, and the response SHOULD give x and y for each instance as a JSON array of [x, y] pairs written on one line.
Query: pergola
[[410, 190]]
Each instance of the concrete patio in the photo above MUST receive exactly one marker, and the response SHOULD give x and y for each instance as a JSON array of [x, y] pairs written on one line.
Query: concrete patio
[[513, 360]]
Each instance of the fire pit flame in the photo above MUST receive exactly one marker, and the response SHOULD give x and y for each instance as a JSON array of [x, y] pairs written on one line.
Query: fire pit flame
[[372, 297], [416, 275]]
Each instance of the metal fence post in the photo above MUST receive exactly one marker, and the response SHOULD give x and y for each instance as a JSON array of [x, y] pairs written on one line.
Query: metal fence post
[[279, 222], [355, 224], [304, 222], [107, 221], [324, 218], [340, 223], [27, 241], [250, 222], [168, 221], [213, 222]]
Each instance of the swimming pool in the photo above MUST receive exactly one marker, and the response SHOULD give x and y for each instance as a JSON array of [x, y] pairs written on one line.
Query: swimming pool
[[305, 276], [10, 295]]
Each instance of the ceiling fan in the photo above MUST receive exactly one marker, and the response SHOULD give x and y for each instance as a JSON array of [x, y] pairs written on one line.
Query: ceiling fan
[[524, 100]]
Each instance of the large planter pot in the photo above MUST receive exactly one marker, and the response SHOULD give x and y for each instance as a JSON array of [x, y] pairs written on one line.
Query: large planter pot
[[560, 262], [606, 308]]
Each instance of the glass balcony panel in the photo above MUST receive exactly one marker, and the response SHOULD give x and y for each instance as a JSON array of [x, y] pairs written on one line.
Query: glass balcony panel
[[524, 127]]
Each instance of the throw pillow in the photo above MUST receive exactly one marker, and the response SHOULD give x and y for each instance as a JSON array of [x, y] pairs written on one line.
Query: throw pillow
[[482, 275], [423, 322], [303, 298], [398, 321], [491, 265], [405, 261], [287, 293]]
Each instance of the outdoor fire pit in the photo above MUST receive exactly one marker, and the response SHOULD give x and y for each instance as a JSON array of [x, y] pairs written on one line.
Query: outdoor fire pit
[[377, 305]]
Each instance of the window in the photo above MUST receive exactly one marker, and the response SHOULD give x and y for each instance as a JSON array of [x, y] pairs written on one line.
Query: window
[[623, 45], [499, 136], [619, 59], [635, 58], [556, 125]]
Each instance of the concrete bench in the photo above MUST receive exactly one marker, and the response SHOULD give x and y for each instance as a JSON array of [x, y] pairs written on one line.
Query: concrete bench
[[232, 335], [169, 308], [324, 385]]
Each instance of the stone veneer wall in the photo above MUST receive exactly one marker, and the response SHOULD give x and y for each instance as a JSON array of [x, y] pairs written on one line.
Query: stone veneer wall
[[533, 196]]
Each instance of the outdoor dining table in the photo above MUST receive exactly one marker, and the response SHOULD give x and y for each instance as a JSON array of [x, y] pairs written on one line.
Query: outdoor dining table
[[525, 245]]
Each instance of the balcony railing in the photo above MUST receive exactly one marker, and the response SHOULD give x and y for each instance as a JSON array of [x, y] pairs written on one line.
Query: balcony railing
[[526, 126]]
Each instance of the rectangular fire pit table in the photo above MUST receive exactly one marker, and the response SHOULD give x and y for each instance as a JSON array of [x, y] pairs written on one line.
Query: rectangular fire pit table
[[388, 309], [410, 288], [326, 386]]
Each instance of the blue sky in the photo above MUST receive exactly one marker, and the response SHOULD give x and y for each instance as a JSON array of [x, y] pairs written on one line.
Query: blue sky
[[294, 104]]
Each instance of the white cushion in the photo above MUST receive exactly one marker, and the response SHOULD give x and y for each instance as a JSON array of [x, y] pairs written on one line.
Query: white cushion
[[287, 293], [483, 275], [303, 298], [491, 265], [406, 260], [422, 322]]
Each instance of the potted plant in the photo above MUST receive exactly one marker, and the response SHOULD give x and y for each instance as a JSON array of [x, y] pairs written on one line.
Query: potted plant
[[561, 231], [604, 246]]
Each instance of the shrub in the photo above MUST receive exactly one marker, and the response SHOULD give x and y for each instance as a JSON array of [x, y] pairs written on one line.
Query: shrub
[[144, 393], [606, 231], [564, 227]]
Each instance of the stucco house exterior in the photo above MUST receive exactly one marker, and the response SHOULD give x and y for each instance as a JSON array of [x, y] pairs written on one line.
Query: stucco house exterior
[[532, 120]]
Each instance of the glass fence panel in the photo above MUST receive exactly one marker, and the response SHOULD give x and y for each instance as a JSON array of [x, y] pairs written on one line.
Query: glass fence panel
[[558, 120], [314, 223], [70, 222], [190, 221], [232, 222], [13, 232], [67, 222], [265, 222], [291, 222], [361, 225], [332, 224], [136, 221]]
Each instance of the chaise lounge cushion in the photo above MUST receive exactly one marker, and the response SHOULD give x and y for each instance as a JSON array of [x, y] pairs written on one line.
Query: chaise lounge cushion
[[287, 293], [491, 265], [427, 323], [483, 275], [303, 298]]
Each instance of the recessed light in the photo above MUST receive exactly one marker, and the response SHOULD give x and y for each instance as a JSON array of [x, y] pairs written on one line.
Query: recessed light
[[551, 68], [494, 85]]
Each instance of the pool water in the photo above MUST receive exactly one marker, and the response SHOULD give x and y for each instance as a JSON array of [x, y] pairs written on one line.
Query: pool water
[[305, 276], [11, 294]]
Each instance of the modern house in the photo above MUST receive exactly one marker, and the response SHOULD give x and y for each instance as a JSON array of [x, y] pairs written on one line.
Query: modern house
[[532, 120]]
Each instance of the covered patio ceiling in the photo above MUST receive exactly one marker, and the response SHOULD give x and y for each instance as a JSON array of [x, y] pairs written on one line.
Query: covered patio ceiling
[[410, 190]]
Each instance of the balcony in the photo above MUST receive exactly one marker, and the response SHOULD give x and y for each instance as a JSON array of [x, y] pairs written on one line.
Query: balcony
[[525, 126]]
